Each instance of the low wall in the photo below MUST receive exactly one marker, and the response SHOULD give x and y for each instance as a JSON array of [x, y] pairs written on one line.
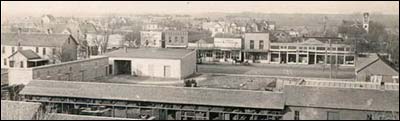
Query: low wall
[[81, 70]]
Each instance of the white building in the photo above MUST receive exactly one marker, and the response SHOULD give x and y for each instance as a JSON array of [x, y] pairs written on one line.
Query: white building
[[151, 39], [153, 62]]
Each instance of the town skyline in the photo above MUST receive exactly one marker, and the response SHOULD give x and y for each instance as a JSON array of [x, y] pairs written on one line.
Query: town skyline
[[86, 8]]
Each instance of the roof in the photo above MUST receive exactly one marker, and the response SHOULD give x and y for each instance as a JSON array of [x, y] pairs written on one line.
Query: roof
[[364, 63], [12, 110], [342, 98], [172, 95], [34, 39], [29, 54], [55, 116], [150, 53]]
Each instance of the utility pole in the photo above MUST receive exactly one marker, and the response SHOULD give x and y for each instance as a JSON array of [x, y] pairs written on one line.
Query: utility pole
[[330, 58]]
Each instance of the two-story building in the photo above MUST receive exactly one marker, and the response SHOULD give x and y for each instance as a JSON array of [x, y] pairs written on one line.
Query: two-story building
[[176, 39], [21, 50], [151, 39], [228, 47], [256, 47]]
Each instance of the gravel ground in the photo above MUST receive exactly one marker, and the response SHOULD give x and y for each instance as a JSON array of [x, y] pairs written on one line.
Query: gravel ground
[[274, 70]]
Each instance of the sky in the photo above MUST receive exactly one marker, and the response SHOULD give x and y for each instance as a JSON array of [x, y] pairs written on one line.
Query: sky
[[95, 8]]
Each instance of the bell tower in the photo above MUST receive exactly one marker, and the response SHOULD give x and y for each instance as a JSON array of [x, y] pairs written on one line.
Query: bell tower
[[366, 21]]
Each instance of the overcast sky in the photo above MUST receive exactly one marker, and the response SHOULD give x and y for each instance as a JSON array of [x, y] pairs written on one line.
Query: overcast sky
[[86, 8]]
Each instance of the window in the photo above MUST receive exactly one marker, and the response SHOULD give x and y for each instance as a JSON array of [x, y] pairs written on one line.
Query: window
[[170, 39], [261, 44], [37, 49], [54, 51], [333, 116], [3, 50], [369, 117], [12, 64], [22, 64], [13, 49], [292, 47], [44, 51], [5, 61], [154, 42], [320, 48], [251, 44], [182, 39], [296, 115], [274, 47], [176, 39]]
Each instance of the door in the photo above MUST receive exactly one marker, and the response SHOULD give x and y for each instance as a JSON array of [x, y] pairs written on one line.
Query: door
[[163, 44], [167, 71]]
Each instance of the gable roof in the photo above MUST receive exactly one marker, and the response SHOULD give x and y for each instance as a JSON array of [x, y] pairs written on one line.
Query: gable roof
[[160, 94], [12, 110], [150, 53], [371, 60], [29, 54], [35, 39], [342, 98]]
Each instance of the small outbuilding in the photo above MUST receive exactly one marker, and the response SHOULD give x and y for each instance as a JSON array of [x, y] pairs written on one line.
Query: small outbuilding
[[153, 62]]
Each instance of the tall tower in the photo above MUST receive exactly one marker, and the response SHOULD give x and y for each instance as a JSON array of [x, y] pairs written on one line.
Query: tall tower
[[366, 22]]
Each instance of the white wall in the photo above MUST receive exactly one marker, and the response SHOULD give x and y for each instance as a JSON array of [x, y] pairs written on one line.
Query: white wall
[[18, 76], [142, 67], [228, 42], [189, 64]]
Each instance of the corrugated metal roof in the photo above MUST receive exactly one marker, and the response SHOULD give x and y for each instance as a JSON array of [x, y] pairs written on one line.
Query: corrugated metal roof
[[173, 95]]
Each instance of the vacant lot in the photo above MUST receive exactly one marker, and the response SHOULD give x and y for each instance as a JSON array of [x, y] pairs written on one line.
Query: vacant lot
[[280, 70]]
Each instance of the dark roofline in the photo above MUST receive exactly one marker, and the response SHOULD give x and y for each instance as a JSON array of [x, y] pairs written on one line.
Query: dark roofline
[[163, 87]]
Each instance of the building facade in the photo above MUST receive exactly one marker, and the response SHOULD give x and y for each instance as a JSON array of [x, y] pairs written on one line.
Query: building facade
[[80, 70], [54, 48], [312, 51], [153, 62], [376, 69], [151, 39], [256, 47], [176, 39]]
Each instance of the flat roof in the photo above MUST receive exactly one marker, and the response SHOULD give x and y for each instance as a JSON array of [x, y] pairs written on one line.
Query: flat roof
[[13, 110], [342, 98], [150, 53], [172, 95]]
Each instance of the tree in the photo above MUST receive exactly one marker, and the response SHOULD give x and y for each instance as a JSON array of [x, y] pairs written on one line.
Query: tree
[[132, 39]]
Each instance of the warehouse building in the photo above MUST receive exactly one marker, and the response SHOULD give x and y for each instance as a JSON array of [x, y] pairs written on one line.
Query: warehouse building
[[153, 62], [171, 103]]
